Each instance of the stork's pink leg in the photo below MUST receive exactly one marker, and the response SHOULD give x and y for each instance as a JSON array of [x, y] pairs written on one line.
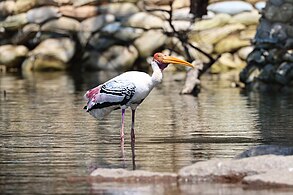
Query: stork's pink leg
[[132, 126], [122, 126]]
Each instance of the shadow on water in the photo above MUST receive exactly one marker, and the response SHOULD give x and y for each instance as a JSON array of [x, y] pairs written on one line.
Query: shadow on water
[[46, 137]]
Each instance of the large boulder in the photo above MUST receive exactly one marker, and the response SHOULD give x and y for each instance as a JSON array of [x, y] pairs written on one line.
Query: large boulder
[[235, 170], [52, 54]]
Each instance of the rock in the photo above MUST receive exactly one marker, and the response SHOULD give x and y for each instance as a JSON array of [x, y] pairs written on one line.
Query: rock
[[12, 56], [100, 43], [212, 36], [179, 25], [260, 5], [144, 20], [273, 178], [62, 48], [122, 175], [43, 62], [284, 75], [246, 18], [6, 8], [92, 25], [122, 33], [78, 3], [230, 7], [26, 34], [79, 13], [244, 51], [24, 5], [154, 40], [230, 43], [180, 4], [61, 24], [248, 33], [42, 14], [118, 9], [182, 14], [265, 150], [51, 54], [14, 22], [217, 21], [283, 13], [235, 170], [115, 58], [226, 62]]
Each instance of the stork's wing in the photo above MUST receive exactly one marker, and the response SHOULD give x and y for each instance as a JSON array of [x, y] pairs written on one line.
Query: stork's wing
[[111, 93]]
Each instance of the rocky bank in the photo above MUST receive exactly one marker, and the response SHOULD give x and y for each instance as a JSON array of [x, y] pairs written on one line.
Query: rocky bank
[[117, 34]]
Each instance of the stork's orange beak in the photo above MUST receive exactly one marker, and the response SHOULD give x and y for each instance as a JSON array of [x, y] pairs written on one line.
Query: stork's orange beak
[[173, 60]]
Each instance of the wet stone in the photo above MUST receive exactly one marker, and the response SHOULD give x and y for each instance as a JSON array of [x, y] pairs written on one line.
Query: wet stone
[[224, 170], [122, 175], [274, 178]]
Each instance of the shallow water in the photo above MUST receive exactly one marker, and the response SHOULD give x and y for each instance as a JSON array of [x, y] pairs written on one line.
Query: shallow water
[[47, 138]]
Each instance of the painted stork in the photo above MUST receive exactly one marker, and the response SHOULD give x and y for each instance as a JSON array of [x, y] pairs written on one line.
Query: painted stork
[[127, 90]]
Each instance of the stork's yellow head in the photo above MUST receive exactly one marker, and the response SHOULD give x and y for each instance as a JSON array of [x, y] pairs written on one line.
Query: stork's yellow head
[[164, 60]]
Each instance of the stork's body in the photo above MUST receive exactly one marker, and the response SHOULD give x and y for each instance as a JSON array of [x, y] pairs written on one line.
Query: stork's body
[[127, 90]]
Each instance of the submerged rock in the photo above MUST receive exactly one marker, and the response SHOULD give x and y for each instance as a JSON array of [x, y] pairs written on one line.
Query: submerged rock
[[226, 170], [122, 175], [265, 150]]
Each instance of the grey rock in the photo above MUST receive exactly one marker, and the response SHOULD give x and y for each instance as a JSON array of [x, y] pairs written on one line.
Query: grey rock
[[235, 170], [122, 175], [114, 58], [273, 178], [284, 74], [42, 14]]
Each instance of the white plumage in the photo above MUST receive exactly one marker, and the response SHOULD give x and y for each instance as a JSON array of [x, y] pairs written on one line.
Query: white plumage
[[127, 90]]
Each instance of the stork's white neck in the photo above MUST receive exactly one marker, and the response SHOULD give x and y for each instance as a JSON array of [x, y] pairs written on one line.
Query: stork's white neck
[[157, 75]]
